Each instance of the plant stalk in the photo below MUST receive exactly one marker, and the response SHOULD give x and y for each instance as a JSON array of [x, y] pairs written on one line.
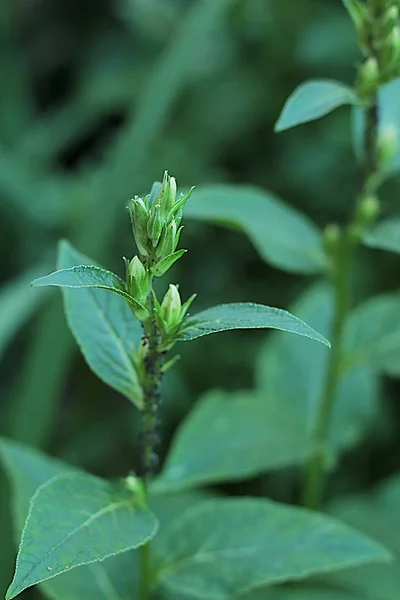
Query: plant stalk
[[315, 472], [153, 374]]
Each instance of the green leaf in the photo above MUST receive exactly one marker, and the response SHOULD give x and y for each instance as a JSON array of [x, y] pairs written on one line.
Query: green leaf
[[372, 334], [87, 276], [116, 577], [222, 548], [304, 592], [105, 330], [246, 315], [377, 515], [312, 100], [18, 304], [281, 235], [385, 236], [291, 371], [66, 513], [247, 433]]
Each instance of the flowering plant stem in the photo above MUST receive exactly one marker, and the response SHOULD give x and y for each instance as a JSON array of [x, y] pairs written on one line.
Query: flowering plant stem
[[340, 274]]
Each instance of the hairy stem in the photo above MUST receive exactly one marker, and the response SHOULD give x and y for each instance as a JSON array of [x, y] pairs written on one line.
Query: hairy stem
[[315, 472], [153, 363]]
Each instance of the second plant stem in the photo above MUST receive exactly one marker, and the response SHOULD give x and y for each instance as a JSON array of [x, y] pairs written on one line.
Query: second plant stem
[[315, 472], [153, 373]]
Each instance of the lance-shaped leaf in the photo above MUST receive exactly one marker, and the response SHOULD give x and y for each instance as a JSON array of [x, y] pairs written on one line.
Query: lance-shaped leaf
[[222, 548], [283, 236], [246, 315], [87, 276], [105, 329], [384, 236], [77, 519], [312, 100]]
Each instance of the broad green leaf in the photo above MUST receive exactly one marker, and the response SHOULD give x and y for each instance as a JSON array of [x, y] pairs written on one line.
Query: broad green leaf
[[68, 511], [281, 235], [385, 236], [112, 579], [247, 433], [87, 276], [312, 100], [105, 330], [18, 303], [373, 334], [304, 592], [222, 548], [377, 515], [291, 371], [246, 315]]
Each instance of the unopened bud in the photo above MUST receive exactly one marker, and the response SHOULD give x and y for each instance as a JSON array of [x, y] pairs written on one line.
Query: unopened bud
[[368, 78], [369, 209], [155, 224], [359, 15], [170, 309], [139, 217], [168, 241], [390, 55], [388, 143], [139, 280]]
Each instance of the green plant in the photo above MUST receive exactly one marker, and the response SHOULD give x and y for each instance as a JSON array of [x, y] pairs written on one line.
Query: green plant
[[309, 405]]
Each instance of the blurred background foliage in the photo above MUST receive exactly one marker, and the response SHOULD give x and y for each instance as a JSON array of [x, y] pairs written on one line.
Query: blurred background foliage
[[97, 98]]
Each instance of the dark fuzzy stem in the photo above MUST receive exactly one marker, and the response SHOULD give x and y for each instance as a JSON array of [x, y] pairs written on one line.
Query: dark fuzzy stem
[[151, 385]]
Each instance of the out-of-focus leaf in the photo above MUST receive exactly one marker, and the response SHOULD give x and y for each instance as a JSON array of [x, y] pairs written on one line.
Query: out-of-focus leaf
[[385, 236], [313, 100], [17, 304], [291, 373], [372, 334], [222, 548], [105, 329], [247, 433], [282, 236], [376, 514], [246, 315], [66, 512], [305, 592]]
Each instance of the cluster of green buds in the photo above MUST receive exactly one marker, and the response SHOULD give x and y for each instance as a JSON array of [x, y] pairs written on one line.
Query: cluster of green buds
[[378, 30], [156, 226]]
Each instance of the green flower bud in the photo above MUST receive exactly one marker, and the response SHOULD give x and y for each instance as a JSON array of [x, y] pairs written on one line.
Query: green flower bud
[[155, 224], [170, 309], [139, 217], [167, 243], [368, 78], [139, 280], [359, 15], [388, 143], [390, 55], [369, 210], [167, 195]]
